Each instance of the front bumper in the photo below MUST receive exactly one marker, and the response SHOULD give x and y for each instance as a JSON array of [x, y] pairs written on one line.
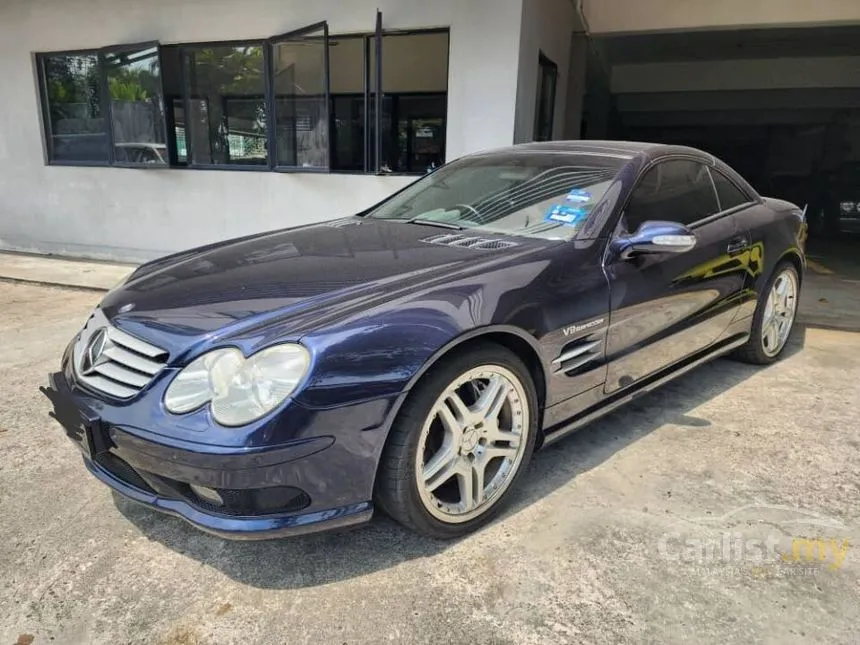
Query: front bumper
[[266, 493]]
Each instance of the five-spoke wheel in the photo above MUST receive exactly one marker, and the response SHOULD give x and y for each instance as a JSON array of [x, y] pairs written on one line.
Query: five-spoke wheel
[[458, 446], [471, 443], [780, 308], [774, 317]]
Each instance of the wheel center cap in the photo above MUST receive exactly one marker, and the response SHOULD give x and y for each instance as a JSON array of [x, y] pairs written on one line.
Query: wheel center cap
[[470, 440]]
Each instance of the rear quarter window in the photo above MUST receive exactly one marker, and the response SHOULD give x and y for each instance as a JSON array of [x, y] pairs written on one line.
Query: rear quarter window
[[730, 196]]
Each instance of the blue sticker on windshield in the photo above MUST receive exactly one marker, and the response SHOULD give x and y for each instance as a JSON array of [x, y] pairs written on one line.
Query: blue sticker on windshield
[[579, 196], [567, 215]]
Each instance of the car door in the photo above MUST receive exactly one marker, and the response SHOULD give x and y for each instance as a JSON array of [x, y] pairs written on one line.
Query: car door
[[666, 307]]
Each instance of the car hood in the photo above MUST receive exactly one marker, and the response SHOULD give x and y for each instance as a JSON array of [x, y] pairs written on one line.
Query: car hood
[[312, 274]]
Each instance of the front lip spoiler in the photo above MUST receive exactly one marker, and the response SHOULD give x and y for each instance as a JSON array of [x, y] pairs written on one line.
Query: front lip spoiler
[[241, 528]]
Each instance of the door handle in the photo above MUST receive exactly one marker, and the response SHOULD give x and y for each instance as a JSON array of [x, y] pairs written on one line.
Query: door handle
[[738, 245]]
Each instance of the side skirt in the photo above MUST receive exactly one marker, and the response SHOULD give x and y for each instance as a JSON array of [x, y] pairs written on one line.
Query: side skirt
[[618, 399]]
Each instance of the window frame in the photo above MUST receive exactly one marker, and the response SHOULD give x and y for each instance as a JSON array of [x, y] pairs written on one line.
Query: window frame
[[271, 116], [103, 76], [656, 162], [373, 101], [105, 101], [749, 201], [403, 32], [367, 96], [546, 67], [47, 127], [188, 97]]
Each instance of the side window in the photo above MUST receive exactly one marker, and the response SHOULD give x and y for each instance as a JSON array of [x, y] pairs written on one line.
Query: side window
[[728, 194], [675, 191]]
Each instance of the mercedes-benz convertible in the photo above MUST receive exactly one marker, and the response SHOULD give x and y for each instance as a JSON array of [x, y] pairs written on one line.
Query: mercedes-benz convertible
[[412, 357]]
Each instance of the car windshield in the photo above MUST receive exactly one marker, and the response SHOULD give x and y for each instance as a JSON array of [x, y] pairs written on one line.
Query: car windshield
[[542, 195]]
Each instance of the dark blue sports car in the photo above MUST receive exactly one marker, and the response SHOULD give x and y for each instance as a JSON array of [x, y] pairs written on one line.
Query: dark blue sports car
[[412, 357]]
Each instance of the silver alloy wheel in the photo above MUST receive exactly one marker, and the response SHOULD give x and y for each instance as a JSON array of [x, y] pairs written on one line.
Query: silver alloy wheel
[[472, 443], [779, 313]]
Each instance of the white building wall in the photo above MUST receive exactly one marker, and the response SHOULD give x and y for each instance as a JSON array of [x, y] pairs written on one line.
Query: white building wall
[[135, 214], [547, 26]]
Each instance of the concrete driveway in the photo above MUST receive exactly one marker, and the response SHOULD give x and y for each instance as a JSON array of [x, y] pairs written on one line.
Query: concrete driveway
[[689, 517]]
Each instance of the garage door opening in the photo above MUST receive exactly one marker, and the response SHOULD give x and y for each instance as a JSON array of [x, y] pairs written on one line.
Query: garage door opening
[[782, 106]]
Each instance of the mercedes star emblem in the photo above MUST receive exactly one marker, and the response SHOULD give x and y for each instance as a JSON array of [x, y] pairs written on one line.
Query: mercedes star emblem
[[94, 352]]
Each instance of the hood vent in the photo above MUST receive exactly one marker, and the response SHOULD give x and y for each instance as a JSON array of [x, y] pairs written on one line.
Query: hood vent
[[340, 223], [468, 242]]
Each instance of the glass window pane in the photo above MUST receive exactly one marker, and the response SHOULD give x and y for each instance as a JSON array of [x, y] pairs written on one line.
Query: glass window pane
[[346, 70], [729, 194], [545, 111], [137, 106], [74, 110], [301, 113], [675, 191], [420, 132], [227, 105], [520, 194], [415, 101]]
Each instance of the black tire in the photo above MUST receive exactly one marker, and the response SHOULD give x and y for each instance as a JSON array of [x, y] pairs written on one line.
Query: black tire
[[397, 491], [753, 351]]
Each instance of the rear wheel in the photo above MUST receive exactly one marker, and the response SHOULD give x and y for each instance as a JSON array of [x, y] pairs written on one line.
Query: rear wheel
[[460, 443], [774, 317]]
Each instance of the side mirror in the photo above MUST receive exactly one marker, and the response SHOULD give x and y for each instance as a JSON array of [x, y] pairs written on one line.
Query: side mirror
[[655, 237]]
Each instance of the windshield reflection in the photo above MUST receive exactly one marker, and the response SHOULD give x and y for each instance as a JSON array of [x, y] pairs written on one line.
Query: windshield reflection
[[547, 196]]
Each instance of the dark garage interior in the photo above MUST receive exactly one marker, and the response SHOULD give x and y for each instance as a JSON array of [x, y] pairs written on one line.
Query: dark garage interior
[[782, 106]]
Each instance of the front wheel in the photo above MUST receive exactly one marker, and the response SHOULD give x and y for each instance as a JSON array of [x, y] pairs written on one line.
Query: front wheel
[[460, 443], [774, 317]]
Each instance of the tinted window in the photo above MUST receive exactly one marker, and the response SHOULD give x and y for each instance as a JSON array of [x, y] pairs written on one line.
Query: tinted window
[[414, 102], [301, 112], [137, 118], [728, 194], [675, 191], [547, 196], [74, 108], [226, 91], [545, 112]]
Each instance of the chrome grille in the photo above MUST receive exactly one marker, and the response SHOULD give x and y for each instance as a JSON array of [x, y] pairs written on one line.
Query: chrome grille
[[124, 364]]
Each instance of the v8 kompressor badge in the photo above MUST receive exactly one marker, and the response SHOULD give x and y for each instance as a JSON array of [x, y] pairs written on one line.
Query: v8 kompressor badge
[[573, 329]]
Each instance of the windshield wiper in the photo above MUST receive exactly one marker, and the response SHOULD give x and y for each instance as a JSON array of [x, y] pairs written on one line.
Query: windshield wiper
[[434, 222]]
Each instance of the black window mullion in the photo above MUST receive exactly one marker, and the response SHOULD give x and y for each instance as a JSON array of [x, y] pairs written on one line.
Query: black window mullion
[[45, 107], [107, 112], [377, 138], [327, 83], [271, 122], [166, 122], [185, 73], [186, 106], [714, 189], [169, 117], [367, 125]]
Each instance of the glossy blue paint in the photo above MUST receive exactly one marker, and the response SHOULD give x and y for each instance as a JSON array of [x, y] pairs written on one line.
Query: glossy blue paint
[[377, 305]]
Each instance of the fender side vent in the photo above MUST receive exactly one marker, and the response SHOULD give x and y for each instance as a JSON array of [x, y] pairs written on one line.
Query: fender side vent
[[576, 355]]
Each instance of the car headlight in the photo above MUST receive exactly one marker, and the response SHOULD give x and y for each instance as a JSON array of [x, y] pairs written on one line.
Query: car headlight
[[238, 389]]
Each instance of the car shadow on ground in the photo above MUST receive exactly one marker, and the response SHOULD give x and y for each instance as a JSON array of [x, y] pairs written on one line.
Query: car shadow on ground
[[313, 560]]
